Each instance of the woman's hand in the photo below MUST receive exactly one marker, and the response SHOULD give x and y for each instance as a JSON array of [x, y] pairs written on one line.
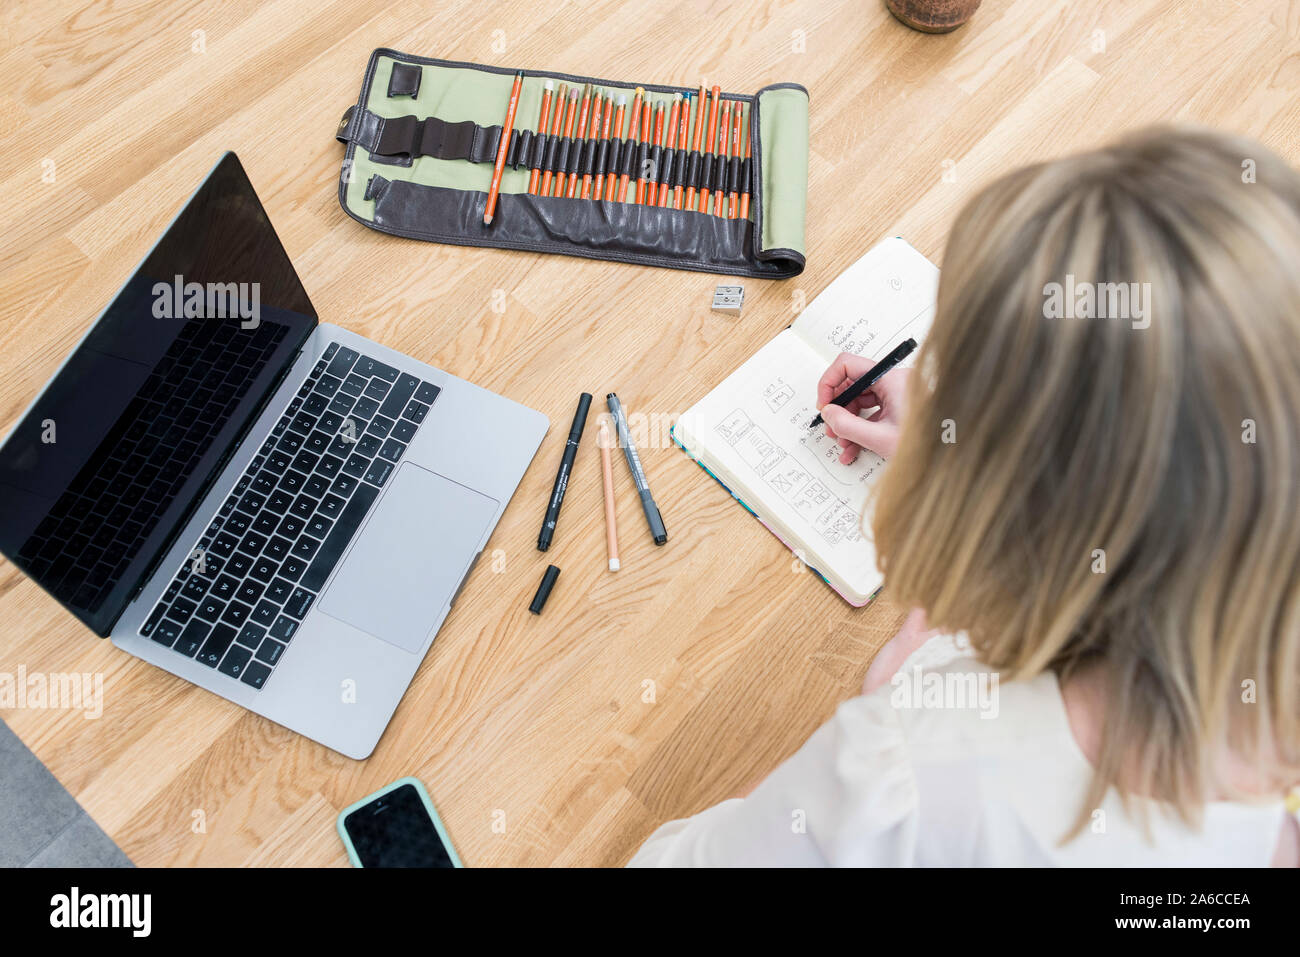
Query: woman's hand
[[879, 431]]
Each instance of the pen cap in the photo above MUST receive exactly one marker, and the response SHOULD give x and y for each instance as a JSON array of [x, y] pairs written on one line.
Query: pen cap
[[544, 589], [580, 416]]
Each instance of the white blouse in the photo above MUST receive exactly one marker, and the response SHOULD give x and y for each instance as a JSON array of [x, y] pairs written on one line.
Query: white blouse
[[944, 768]]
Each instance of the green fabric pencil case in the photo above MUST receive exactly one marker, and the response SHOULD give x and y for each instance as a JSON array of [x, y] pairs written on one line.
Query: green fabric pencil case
[[421, 145]]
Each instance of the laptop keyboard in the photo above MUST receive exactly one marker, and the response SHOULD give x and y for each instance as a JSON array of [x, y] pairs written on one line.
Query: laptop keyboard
[[237, 601]]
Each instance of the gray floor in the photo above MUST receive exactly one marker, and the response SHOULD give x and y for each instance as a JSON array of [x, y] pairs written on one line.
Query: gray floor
[[41, 825]]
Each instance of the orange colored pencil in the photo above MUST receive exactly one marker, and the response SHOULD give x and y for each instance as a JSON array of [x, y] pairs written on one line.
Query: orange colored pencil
[[568, 131], [541, 128], [560, 96], [583, 116], [506, 129], [723, 128], [695, 148], [733, 199], [670, 138], [744, 186], [683, 132], [708, 144], [646, 110], [598, 186], [633, 139], [596, 106], [611, 184]]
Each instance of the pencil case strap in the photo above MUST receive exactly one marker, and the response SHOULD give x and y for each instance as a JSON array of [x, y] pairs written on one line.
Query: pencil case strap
[[411, 136]]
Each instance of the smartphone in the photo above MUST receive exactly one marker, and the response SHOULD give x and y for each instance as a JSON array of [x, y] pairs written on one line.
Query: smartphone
[[396, 827]]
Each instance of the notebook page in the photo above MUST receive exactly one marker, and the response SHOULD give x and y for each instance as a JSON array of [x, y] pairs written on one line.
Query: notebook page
[[885, 297], [755, 426]]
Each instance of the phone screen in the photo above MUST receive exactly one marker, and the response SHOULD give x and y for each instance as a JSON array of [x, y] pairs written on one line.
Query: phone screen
[[395, 830]]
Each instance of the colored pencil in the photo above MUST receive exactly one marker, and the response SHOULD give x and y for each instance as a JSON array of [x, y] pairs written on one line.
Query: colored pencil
[[695, 148], [506, 129], [670, 139], [583, 116], [723, 129], [632, 142], [708, 143], [541, 130], [568, 131], [733, 199], [561, 96], [611, 184], [744, 186]]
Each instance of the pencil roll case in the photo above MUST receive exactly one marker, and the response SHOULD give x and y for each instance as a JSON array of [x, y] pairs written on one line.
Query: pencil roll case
[[422, 141]]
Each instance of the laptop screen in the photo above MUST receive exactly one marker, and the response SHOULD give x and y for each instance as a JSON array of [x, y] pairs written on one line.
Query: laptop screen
[[106, 466]]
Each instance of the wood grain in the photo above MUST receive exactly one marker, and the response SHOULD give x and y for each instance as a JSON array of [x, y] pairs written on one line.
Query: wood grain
[[538, 738]]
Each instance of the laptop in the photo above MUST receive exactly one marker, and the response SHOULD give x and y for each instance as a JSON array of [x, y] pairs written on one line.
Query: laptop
[[274, 509]]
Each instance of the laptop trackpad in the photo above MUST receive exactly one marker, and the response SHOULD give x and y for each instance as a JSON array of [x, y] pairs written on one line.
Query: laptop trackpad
[[409, 558]]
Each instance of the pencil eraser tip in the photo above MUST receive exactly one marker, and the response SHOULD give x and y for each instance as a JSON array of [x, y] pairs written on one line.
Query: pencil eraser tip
[[613, 565]]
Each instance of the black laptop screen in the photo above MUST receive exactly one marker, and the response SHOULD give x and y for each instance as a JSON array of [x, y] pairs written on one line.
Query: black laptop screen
[[102, 471]]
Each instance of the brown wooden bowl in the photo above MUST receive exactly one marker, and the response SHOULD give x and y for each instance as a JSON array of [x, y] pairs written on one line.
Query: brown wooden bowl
[[933, 16]]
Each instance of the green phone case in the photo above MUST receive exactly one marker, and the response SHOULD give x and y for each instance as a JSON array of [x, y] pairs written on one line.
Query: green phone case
[[428, 804]]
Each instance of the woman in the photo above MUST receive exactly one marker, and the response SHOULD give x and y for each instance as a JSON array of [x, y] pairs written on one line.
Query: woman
[[1092, 486]]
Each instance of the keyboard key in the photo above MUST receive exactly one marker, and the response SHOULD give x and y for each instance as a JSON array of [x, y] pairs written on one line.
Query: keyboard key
[[251, 635], [195, 588], [315, 404], [191, 638], [403, 430], [303, 423], [284, 628], [166, 632], [305, 547], [427, 393], [415, 411], [253, 543], [183, 609], [263, 569], [235, 660], [237, 523], [264, 524], [341, 363], [236, 613], [292, 481], [392, 450], [277, 549], [332, 548], [211, 609], [399, 396], [279, 502], [316, 486], [250, 591], [239, 564], [256, 674], [264, 613], [221, 638], [279, 591], [365, 407], [290, 443], [376, 390], [368, 445], [319, 526], [305, 462], [293, 568], [304, 506], [290, 527], [380, 425], [270, 651], [316, 443], [223, 545], [342, 403], [328, 385], [373, 367], [378, 472], [225, 588], [343, 485], [298, 603], [152, 621], [331, 505], [355, 466], [329, 423], [277, 463]]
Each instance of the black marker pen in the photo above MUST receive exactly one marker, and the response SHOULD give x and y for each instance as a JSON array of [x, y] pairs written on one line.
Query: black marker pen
[[562, 477], [657, 530]]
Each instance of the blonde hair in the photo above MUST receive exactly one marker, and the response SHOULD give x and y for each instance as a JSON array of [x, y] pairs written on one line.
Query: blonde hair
[[1096, 491]]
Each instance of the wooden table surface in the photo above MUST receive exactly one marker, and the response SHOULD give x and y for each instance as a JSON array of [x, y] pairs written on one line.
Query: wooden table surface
[[638, 696]]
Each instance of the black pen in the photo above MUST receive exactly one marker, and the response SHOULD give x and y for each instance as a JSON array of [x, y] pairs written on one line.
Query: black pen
[[896, 355], [657, 530], [562, 476]]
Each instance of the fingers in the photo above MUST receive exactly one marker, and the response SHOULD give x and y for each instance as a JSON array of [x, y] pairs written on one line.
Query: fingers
[[880, 437], [846, 368]]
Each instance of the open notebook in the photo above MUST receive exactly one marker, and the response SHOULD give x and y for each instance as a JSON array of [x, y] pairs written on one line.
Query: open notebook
[[751, 432]]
